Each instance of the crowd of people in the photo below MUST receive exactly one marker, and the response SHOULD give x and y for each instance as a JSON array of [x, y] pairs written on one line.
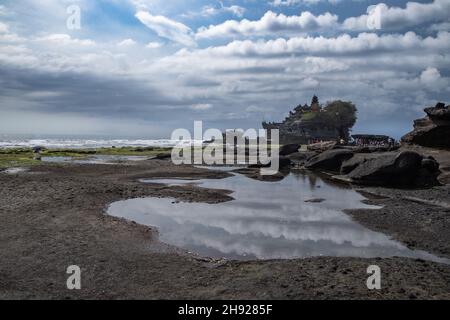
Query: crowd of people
[[374, 141]]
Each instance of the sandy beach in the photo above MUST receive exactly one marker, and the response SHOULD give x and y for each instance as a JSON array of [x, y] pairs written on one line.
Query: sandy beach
[[54, 216]]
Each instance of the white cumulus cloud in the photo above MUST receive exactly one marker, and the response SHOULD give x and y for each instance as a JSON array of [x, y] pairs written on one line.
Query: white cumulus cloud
[[270, 23], [414, 13], [210, 10], [126, 43], [154, 45], [167, 28]]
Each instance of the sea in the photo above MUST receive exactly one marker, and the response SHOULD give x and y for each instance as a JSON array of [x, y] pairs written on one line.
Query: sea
[[81, 142]]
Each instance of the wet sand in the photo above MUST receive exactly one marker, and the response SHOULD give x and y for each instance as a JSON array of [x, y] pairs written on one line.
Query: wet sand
[[54, 216]]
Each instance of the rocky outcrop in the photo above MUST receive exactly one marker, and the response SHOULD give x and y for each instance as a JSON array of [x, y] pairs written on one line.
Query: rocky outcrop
[[300, 158], [406, 168], [289, 149], [321, 146], [330, 160], [358, 159], [372, 149], [433, 130], [283, 163], [163, 156], [309, 123]]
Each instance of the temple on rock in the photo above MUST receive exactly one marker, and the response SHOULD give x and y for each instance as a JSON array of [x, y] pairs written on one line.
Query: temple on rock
[[305, 125]]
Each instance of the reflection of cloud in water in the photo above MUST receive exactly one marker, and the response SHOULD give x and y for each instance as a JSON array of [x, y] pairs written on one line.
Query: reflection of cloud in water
[[266, 220], [94, 159]]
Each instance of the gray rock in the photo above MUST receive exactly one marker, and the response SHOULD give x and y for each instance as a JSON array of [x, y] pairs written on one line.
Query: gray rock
[[163, 156], [406, 168], [329, 160], [300, 158], [289, 149], [322, 146], [359, 158], [439, 113], [319, 200], [373, 149], [433, 130], [284, 163]]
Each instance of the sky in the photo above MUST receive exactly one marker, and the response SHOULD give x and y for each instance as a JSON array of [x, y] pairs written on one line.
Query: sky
[[142, 68]]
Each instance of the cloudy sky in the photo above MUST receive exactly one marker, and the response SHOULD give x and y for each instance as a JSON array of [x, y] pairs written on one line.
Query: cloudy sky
[[146, 67]]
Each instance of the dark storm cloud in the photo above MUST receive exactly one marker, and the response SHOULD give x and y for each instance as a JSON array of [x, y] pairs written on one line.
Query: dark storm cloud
[[67, 92]]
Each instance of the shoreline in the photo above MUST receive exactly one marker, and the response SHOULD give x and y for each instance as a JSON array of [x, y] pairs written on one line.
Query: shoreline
[[54, 216]]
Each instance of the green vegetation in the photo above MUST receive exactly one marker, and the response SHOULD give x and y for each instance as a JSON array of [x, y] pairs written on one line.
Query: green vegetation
[[16, 157], [124, 151], [309, 116], [342, 115]]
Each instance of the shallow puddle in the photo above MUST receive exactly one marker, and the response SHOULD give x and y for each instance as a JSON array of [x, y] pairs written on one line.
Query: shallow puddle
[[14, 170], [97, 159], [267, 220]]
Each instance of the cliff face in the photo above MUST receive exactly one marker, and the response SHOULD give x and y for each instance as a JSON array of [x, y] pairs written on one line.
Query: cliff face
[[433, 130]]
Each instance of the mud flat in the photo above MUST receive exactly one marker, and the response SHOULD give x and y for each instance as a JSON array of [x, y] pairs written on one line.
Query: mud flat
[[54, 216], [418, 218]]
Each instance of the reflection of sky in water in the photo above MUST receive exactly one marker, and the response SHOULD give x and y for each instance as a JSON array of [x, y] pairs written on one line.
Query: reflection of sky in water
[[95, 159], [267, 220], [14, 170]]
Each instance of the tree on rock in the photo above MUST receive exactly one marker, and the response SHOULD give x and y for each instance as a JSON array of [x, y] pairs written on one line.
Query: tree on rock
[[341, 115]]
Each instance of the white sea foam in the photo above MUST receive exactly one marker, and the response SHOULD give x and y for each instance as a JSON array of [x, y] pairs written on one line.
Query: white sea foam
[[86, 143]]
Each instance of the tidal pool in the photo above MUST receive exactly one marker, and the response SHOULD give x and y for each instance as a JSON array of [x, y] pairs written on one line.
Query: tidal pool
[[267, 220], [14, 170], [95, 159]]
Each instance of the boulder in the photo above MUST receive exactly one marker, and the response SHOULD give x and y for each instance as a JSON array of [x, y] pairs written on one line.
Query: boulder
[[351, 164], [322, 146], [439, 113], [329, 160], [433, 130], [359, 158], [284, 163], [373, 149], [163, 156], [300, 158], [289, 149], [407, 168]]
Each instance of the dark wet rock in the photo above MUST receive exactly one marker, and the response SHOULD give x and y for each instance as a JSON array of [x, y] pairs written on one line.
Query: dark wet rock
[[433, 130], [329, 160], [406, 168], [320, 200], [439, 113], [359, 158], [284, 162], [300, 158], [373, 149], [289, 149], [163, 156], [428, 173], [255, 174], [322, 146]]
